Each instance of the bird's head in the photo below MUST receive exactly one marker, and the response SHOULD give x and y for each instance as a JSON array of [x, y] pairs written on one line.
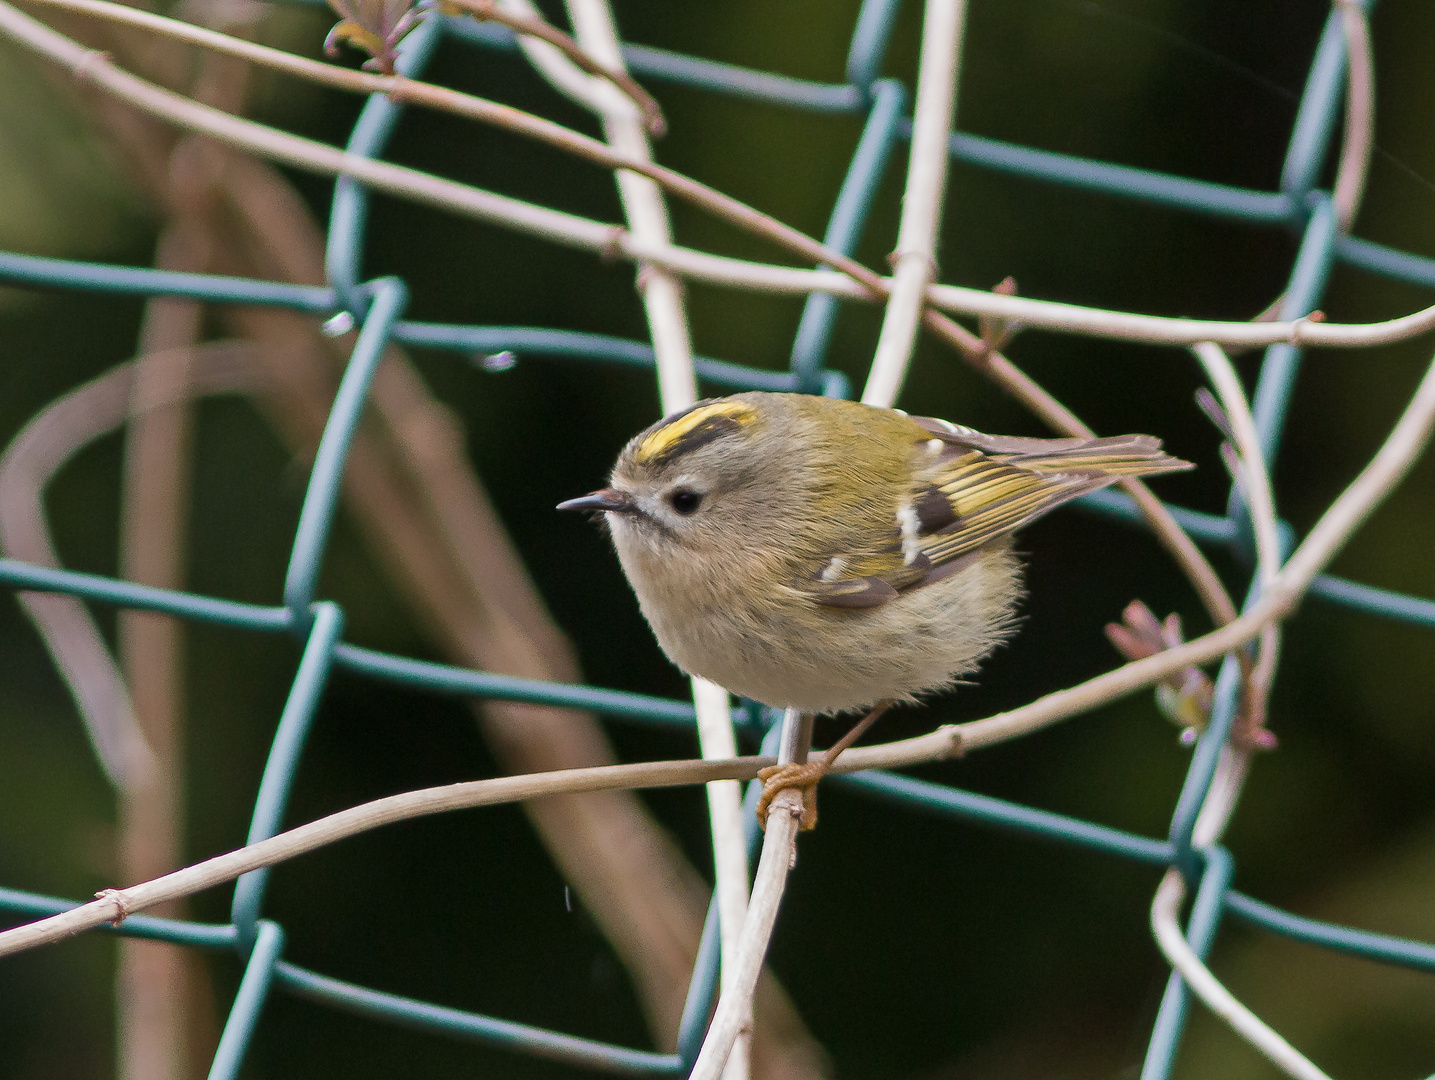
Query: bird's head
[[693, 482]]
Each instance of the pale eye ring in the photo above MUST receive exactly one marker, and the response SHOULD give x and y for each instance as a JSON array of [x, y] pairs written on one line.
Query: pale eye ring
[[685, 500]]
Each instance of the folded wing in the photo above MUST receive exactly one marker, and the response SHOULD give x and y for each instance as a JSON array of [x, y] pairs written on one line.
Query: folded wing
[[973, 490]]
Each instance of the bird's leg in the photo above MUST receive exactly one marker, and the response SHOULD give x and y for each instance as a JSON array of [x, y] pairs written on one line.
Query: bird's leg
[[804, 775]]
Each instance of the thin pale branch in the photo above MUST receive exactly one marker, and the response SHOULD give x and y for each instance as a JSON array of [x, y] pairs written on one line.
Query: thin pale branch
[[1392, 461], [535, 27], [574, 231], [115, 904], [1255, 483], [1359, 140], [853, 282], [663, 303], [914, 263], [999, 369], [914, 269], [1208, 988], [779, 842]]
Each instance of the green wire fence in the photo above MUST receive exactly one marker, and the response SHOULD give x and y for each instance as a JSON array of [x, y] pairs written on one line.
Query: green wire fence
[[1298, 206]]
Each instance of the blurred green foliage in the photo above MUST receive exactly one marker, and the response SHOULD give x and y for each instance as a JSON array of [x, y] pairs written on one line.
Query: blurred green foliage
[[912, 946]]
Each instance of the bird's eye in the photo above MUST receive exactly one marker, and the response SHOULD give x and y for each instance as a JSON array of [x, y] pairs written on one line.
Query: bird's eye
[[684, 500]]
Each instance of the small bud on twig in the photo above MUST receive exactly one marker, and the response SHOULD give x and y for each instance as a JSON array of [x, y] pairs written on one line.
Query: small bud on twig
[[997, 332], [1184, 697]]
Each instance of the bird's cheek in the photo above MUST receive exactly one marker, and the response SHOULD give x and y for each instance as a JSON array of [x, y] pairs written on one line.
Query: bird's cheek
[[620, 528], [633, 536]]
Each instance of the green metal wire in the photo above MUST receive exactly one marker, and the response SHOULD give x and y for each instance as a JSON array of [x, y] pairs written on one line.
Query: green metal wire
[[1297, 204]]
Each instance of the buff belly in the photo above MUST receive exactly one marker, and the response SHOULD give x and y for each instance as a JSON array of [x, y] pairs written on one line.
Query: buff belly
[[921, 642]]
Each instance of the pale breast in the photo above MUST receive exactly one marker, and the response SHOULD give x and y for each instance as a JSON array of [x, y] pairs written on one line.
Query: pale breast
[[823, 660]]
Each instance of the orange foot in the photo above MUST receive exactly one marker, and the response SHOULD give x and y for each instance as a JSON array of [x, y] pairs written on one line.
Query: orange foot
[[777, 778]]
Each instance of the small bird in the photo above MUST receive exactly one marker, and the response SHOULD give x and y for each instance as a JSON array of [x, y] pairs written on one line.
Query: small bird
[[823, 555]]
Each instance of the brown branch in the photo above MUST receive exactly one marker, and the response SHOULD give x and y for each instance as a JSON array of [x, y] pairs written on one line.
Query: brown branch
[[534, 27], [153, 990], [150, 985], [1057, 416]]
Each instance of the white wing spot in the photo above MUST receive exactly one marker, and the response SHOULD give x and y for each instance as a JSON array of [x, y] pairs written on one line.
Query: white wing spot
[[909, 525], [834, 569]]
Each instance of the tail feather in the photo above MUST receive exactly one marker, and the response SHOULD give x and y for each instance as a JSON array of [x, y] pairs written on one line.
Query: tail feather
[[1132, 455], [1119, 455]]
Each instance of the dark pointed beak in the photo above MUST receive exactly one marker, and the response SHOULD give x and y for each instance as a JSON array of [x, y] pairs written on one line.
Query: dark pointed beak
[[608, 499]]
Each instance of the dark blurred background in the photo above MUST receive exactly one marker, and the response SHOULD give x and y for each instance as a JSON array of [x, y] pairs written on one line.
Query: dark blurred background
[[911, 946]]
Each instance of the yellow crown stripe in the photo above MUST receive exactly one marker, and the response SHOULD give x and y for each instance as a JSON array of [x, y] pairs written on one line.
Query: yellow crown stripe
[[662, 441]]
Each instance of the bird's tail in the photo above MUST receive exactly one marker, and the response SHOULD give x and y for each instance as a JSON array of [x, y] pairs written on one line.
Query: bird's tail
[[1120, 455], [1123, 455]]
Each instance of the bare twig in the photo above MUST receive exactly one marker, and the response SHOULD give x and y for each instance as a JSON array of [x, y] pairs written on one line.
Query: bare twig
[[532, 25], [69, 634], [603, 239], [914, 263], [1256, 478], [600, 238], [663, 303], [1359, 139], [1152, 329], [118, 903], [778, 849], [943, 23], [1255, 484], [1209, 989], [1391, 463], [646, 215]]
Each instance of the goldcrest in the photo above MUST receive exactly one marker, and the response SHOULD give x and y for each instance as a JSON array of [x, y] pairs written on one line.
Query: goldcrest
[[824, 555]]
